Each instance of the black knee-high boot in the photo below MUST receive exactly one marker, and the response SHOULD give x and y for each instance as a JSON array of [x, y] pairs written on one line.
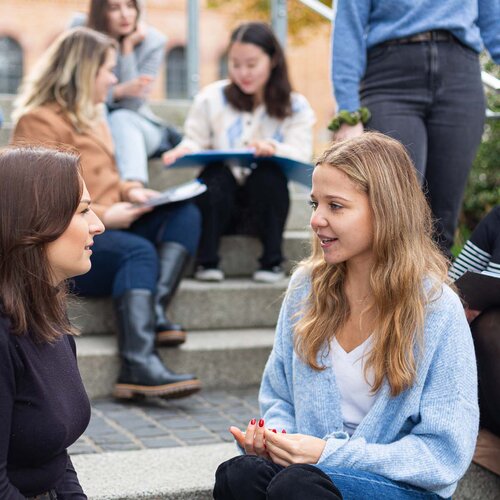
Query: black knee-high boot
[[142, 372], [173, 260]]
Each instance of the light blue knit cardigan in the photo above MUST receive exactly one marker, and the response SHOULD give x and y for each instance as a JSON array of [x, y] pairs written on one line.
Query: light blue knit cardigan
[[424, 437]]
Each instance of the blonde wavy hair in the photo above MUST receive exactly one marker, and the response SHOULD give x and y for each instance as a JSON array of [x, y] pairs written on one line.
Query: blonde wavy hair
[[405, 260], [66, 75]]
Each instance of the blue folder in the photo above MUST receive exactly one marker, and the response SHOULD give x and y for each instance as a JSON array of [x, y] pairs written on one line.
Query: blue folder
[[294, 170]]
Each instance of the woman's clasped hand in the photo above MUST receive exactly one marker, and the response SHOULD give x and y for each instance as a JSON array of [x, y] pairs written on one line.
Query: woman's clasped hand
[[279, 447]]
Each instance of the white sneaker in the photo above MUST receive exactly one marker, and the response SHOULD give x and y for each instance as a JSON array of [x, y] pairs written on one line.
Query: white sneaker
[[269, 275], [208, 274]]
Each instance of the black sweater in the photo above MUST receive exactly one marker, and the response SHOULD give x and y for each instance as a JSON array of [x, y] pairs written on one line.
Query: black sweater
[[43, 410]]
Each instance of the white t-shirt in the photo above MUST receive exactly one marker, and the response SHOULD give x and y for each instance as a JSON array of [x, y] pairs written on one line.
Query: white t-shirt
[[348, 367]]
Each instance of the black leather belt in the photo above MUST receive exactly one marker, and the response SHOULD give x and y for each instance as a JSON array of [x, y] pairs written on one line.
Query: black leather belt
[[426, 36], [48, 495]]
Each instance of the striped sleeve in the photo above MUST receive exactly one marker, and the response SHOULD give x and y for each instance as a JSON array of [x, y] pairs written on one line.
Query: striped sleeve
[[481, 252], [471, 258]]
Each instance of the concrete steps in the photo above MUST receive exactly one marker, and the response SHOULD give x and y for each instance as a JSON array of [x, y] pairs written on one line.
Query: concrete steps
[[226, 358], [169, 474], [234, 303]]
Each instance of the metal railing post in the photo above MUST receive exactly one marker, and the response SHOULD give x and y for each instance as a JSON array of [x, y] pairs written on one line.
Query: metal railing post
[[193, 56], [279, 20]]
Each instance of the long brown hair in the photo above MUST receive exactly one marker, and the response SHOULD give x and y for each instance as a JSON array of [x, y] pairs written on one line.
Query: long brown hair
[[40, 190], [278, 88], [408, 267], [97, 17], [66, 75]]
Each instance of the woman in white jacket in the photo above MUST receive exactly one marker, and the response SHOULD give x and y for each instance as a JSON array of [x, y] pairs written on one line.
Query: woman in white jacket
[[257, 109]]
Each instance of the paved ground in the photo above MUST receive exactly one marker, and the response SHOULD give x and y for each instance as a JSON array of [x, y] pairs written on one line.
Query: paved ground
[[203, 418]]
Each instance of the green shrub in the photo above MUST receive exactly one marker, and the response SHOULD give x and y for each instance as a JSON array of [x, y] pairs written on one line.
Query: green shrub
[[483, 187]]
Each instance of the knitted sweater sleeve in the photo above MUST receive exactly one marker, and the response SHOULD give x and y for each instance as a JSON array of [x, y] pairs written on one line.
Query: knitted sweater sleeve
[[437, 450], [349, 51], [198, 131], [297, 140]]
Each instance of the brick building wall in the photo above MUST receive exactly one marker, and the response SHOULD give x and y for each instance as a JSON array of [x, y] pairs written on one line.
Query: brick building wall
[[34, 24]]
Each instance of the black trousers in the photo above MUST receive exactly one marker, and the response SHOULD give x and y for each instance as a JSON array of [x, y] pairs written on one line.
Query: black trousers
[[248, 477], [486, 335], [258, 208]]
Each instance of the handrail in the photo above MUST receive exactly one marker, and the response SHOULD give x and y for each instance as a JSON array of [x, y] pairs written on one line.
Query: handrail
[[490, 81], [319, 8]]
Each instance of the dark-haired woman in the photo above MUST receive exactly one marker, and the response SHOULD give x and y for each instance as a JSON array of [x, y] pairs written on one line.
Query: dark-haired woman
[[137, 132], [255, 109], [46, 233], [140, 259]]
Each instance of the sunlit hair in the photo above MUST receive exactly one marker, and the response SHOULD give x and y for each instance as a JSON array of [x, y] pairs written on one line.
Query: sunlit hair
[[408, 269], [98, 14], [66, 75], [278, 89], [40, 191]]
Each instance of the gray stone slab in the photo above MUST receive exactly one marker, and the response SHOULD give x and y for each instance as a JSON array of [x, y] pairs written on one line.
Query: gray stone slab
[[169, 473], [173, 111], [478, 484], [187, 473], [230, 359], [234, 303]]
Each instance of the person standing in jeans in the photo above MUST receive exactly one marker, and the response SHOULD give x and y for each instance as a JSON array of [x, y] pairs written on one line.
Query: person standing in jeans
[[414, 64]]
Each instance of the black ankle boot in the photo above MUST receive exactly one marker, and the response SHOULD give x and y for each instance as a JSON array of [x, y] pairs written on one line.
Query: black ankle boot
[[173, 260], [142, 372]]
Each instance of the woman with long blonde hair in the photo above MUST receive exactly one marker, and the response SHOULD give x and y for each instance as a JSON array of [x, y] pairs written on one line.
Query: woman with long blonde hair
[[140, 258], [370, 389]]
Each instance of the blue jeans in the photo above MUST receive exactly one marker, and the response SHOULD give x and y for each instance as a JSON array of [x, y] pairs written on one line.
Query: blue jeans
[[429, 96], [127, 259], [249, 477], [136, 139]]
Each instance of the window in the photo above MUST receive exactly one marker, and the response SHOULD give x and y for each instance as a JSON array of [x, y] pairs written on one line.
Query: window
[[223, 72], [11, 65], [177, 73]]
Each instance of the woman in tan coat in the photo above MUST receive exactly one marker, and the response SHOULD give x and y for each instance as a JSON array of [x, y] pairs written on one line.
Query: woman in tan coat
[[140, 258]]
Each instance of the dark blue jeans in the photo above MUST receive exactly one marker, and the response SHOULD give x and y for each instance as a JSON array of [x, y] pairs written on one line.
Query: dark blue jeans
[[127, 259], [429, 96]]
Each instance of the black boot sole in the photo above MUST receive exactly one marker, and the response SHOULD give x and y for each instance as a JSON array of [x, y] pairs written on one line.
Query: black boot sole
[[166, 391]]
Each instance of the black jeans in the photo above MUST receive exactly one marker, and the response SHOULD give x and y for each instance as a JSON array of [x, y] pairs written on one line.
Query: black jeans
[[259, 207], [486, 335], [429, 96], [248, 477]]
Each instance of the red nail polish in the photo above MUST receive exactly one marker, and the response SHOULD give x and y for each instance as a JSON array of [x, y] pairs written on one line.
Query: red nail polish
[[283, 431], [261, 423], [252, 422], [274, 430]]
